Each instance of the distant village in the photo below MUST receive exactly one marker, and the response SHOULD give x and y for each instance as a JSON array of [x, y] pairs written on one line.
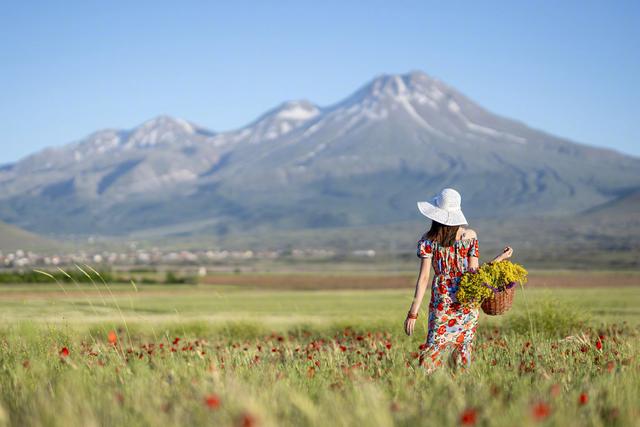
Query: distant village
[[142, 257]]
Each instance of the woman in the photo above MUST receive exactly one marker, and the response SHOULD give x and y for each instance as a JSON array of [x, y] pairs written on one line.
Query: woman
[[452, 251]]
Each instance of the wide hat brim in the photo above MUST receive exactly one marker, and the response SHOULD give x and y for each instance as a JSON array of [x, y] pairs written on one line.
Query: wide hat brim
[[446, 217]]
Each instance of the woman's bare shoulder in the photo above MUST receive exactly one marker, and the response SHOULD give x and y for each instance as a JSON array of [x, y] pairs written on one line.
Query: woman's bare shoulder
[[468, 233]]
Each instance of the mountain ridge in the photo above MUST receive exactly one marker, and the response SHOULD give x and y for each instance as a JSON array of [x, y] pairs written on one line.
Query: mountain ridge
[[362, 160]]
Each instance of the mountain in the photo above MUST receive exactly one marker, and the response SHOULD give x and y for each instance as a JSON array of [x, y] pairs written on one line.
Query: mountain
[[362, 161], [13, 239]]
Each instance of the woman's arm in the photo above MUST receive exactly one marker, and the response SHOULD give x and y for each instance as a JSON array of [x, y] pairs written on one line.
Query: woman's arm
[[506, 253], [474, 262], [421, 288]]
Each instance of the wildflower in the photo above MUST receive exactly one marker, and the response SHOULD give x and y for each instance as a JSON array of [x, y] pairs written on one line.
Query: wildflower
[[176, 341], [247, 420], [343, 348], [388, 345], [64, 352], [112, 337], [468, 417], [540, 411], [311, 372], [212, 401], [599, 345], [583, 399]]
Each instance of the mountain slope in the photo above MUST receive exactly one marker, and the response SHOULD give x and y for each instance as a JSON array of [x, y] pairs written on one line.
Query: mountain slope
[[364, 160], [13, 239]]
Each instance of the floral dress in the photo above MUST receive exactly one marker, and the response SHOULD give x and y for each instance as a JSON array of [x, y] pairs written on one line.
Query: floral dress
[[451, 326]]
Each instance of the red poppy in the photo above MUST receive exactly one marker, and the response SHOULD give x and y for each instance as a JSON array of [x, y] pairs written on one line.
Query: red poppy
[[311, 371], [468, 417], [248, 420], [112, 337], [388, 345], [583, 399], [176, 341], [212, 401], [540, 411], [343, 348], [64, 352], [599, 345]]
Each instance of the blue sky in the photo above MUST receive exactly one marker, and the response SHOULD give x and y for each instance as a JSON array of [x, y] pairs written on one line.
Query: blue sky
[[570, 68]]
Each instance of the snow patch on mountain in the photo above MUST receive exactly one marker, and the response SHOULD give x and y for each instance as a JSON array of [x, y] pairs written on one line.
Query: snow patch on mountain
[[278, 122], [455, 108]]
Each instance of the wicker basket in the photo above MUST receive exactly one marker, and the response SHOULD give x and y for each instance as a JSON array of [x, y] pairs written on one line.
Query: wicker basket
[[500, 302]]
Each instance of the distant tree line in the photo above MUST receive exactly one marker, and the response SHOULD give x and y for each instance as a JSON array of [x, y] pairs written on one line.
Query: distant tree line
[[37, 277], [76, 276]]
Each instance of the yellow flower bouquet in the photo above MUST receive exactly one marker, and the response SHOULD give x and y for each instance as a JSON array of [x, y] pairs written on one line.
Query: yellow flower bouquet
[[490, 281]]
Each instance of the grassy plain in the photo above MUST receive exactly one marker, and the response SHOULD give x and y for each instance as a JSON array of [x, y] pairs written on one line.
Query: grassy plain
[[301, 349]]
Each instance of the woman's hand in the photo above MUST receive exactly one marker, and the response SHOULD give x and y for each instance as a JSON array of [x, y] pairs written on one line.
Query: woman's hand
[[506, 254], [409, 325]]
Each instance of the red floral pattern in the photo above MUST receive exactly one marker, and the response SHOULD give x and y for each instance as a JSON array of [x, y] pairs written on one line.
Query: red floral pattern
[[451, 326]]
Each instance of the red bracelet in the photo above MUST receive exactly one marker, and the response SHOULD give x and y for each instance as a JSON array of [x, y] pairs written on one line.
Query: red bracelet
[[412, 316]]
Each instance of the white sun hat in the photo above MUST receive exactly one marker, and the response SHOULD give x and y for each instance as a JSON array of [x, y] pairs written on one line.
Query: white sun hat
[[444, 208]]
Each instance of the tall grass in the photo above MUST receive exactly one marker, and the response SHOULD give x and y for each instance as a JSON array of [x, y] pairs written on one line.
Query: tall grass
[[334, 376], [537, 366]]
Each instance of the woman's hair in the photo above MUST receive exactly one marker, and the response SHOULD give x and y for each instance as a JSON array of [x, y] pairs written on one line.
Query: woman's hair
[[445, 235]]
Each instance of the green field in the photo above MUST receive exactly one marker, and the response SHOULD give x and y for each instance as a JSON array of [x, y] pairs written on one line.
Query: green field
[[252, 352], [252, 301]]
